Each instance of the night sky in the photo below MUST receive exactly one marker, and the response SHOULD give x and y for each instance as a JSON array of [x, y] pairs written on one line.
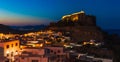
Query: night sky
[[35, 12]]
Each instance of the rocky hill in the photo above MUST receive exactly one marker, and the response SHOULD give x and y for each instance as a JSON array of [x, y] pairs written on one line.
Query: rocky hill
[[81, 26], [6, 29]]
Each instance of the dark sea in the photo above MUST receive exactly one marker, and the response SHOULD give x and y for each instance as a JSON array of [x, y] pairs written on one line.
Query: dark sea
[[113, 31]]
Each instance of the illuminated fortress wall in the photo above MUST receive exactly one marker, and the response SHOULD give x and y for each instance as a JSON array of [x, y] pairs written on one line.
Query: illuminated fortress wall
[[81, 18]]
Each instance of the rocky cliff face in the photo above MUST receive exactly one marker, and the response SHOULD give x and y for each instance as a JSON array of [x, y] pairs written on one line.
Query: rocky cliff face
[[81, 26]]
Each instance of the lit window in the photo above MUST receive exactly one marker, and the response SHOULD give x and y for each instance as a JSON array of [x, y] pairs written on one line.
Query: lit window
[[16, 52]]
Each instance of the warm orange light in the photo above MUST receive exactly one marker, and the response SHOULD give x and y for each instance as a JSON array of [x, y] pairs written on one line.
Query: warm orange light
[[16, 53], [75, 18], [84, 43], [41, 45], [91, 43], [64, 45], [21, 47], [48, 42], [33, 45], [7, 52]]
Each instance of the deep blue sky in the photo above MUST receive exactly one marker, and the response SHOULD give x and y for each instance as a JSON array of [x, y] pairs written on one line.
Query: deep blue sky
[[34, 12]]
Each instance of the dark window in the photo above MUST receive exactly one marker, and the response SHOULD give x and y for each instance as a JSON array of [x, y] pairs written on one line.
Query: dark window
[[58, 51], [51, 51], [16, 44], [7, 60], [47, 50], [34, 60], [7, 55], [7, 46], [22, 57], [12, 45], [54, 52], [12, 54], [58, 60], [58, 56]]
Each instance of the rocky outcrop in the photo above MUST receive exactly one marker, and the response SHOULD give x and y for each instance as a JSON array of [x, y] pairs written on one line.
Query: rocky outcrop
[[81, 26]]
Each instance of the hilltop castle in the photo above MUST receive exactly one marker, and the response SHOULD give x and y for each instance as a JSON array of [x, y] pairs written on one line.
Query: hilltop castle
[[80, 25], [81, 18]]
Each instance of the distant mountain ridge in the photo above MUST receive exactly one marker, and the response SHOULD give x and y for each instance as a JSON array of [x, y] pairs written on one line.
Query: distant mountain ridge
[[20, 29], [6, 29], [29, 27]]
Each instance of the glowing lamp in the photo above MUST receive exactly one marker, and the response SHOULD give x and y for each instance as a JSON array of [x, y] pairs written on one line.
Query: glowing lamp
[[7, 52]]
